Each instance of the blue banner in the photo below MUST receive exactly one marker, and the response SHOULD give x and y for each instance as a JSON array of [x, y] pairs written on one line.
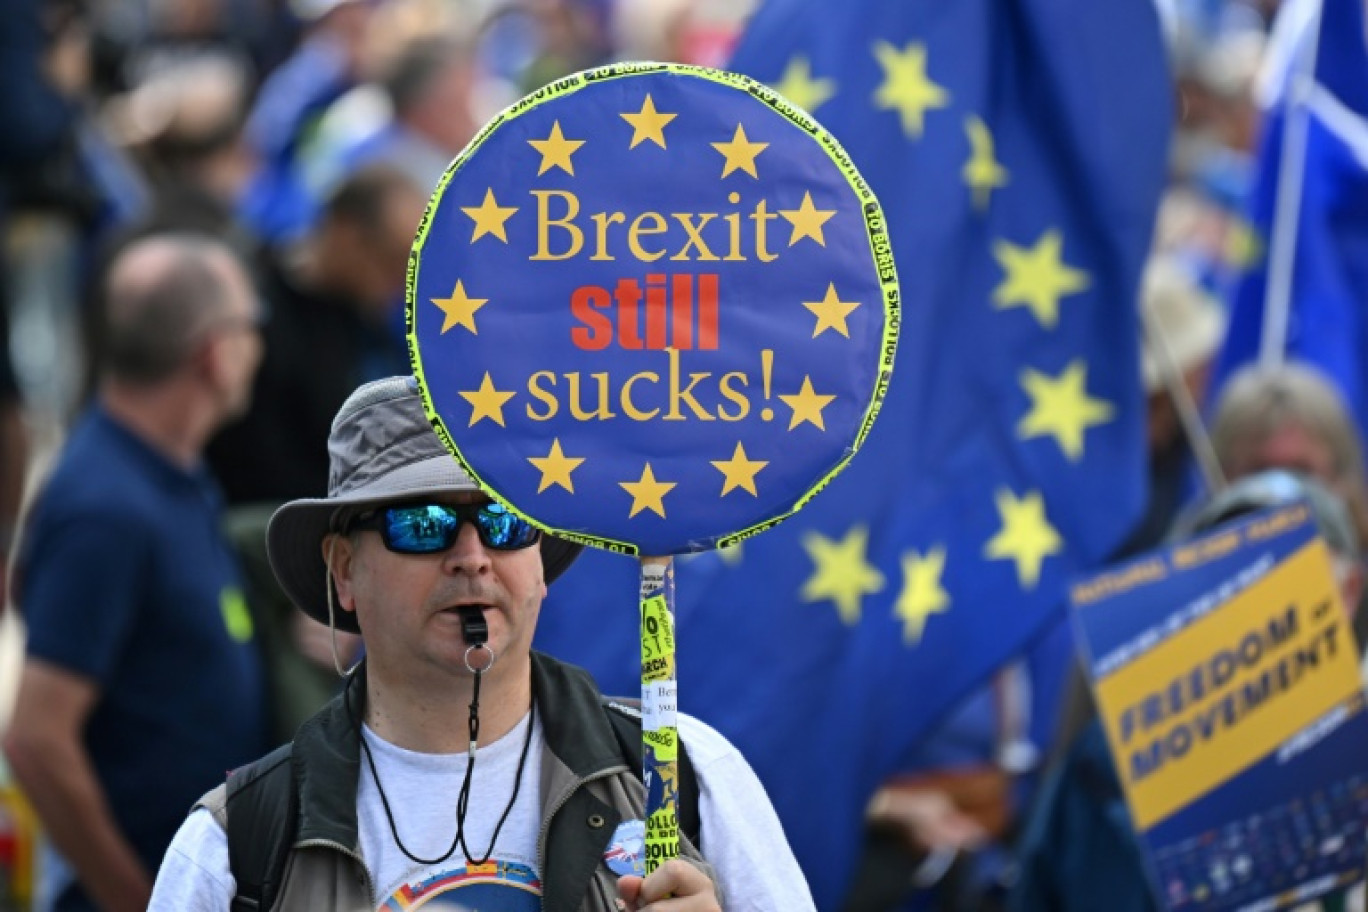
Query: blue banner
[[652, 307], [1018, 149], [1227, 681], [1309, 209]]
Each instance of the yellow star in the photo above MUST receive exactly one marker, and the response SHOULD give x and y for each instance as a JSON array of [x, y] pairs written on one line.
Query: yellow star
[[1026, 536], [798, 86], [647, 494], [739, 471], [556, 151], [740, 153], [1060, 406], [831, 312], [807, 405], [459, 309], [922, 594], [807, 221], [648, 123], [906, 87], [842, 574], [1036, 277], [555, 468], [486, 402], [489, 217], [982, 172]]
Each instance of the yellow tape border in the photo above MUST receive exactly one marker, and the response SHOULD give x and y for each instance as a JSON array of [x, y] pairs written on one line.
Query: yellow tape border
[[881, 252]]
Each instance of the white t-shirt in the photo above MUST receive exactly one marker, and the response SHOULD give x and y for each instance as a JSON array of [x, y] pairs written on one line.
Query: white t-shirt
[[422, 790], [741, 835]]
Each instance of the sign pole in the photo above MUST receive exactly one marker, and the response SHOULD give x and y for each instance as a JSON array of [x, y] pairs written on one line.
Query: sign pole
[[659, 689]]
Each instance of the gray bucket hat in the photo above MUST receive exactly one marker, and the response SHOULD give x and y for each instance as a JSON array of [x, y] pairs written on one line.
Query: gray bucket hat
[[382, 448], [1275, 488]]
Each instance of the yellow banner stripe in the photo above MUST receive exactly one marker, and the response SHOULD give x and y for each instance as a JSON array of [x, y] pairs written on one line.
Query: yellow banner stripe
[[1226, 691]]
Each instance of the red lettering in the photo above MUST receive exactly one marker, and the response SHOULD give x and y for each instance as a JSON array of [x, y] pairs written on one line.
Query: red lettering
[[585, 305], [656, 306], [664, 311], [683, 311], [707, 311], [628, 295]]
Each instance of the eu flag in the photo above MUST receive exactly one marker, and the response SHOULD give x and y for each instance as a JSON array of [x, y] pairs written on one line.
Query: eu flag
[[1307, 295], [1018, 150]]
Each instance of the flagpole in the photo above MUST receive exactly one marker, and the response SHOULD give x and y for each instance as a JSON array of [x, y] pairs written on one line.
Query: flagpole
[[1287, 204], [1189, 417], [659, 730]]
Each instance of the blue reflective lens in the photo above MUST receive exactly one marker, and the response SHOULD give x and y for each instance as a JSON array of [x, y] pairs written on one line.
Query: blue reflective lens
[[428, 528]]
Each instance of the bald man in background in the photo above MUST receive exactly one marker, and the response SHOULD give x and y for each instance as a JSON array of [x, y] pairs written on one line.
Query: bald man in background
[[142, 683]]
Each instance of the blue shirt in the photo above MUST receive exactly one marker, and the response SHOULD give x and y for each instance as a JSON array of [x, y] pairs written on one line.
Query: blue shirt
[[126, 579]]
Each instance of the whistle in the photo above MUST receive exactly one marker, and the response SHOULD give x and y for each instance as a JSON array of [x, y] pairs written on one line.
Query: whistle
[[473, 626]]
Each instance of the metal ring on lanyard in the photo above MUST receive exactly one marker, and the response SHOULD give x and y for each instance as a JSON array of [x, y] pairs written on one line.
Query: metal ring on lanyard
[[489, 665]]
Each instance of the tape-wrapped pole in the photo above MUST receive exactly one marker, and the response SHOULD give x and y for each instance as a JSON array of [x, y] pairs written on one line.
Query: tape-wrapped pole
[[658, 711]]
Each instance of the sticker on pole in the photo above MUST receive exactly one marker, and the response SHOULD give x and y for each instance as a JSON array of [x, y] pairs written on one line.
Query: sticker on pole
[[653, 308]]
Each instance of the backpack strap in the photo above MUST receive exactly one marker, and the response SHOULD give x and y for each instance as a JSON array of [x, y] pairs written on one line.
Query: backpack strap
[[262, 809], [625, 717]]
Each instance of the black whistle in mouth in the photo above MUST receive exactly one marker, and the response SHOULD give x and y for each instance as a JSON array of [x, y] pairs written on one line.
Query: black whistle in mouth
[[473, 626]]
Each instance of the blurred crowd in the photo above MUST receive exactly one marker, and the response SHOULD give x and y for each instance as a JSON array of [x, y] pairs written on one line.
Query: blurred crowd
[[306, 135]]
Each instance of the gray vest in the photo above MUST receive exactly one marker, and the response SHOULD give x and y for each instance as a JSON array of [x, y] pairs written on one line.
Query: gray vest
[[587, 789]]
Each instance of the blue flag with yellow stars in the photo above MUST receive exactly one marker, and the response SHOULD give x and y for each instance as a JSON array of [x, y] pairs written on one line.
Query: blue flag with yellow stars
[[674, 322], [1309, 210], [1018, 150]]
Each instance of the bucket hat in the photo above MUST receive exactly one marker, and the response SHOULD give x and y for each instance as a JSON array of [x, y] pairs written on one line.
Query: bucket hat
[[381, 448], [1274, 488]]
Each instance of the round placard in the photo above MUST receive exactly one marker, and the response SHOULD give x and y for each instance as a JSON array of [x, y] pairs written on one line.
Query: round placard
[[652, 308]]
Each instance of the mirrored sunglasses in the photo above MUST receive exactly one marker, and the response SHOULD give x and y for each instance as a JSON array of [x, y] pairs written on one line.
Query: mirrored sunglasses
[[430, 528]]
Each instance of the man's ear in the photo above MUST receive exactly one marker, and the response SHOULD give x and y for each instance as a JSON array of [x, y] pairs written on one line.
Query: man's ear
[[337, 557], [213, 359], [207, 357]]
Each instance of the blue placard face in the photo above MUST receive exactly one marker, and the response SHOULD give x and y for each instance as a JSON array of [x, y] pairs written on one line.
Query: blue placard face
[[1228, 687], [652, 308]]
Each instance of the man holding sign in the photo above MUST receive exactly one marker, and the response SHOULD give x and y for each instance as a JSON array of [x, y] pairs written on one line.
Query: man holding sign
[[1258, 733], [652, 309], [457, 761]]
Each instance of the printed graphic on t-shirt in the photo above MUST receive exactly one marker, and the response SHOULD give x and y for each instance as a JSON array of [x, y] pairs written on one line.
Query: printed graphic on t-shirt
[[497, 886]]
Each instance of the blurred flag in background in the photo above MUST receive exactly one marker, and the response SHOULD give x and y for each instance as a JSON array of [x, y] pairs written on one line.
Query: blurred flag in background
[[1018, 149], [1306, 297]]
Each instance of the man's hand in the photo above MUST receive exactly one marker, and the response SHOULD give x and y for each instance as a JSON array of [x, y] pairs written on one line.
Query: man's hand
[[675, 886], [927, 819]]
